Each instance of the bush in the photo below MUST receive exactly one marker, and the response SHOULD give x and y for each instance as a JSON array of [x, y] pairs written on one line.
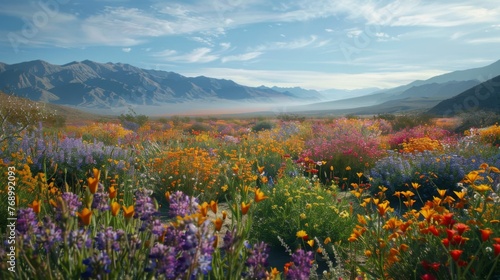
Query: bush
[[262, 125], [477, 119], [296, 204]]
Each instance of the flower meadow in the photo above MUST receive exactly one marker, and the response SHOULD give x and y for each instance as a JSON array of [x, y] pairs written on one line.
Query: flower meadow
[[284, 198]]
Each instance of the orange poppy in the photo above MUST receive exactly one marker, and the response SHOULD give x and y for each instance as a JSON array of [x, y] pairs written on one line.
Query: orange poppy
[[259, 195], [94, 182], [36, 206], [115, 208], [85, 216], [112, 192], [128, 212], [245, 207]]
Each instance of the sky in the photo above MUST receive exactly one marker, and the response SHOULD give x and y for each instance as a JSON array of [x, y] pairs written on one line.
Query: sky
[[314, 44]]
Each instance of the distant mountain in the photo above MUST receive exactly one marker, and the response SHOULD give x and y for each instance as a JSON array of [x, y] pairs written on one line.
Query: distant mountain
[[417, 95], [90, 84], [311, 94], [337, 94], [484, 96]]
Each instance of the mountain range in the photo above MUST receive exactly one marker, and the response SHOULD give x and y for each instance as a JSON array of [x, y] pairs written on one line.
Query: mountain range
[[105, 86], [89, 84], [420, 95]]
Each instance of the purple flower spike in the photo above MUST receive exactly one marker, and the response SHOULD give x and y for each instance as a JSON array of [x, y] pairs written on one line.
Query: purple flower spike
[[302, 264]]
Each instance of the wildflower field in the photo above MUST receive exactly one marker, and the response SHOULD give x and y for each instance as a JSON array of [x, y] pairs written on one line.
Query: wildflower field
[[217, 198]]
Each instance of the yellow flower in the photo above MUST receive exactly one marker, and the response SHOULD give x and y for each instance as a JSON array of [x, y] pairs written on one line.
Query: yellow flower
[[302, 234], [359, 174], [327, 240], [259, 195], [415, 185], [167, 196], [348, 168], [311, 242], [472, 177], [442, 193], [481, 188], [302, 216]]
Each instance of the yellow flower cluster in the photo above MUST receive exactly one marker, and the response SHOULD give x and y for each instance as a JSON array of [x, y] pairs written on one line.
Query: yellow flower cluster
[[415, 145]]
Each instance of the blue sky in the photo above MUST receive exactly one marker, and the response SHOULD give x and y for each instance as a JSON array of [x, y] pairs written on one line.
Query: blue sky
[[315, 44]]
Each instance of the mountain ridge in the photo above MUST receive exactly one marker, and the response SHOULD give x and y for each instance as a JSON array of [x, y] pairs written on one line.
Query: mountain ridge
[[106, 85]]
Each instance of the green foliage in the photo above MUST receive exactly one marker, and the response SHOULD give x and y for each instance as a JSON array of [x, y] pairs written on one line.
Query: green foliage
[[477, 119], [291, 117], [296, 204], [400, 122], [198, 127], [133, 117], [262, 125]]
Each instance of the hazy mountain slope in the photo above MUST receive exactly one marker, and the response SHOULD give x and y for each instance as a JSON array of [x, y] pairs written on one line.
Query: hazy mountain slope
[[485, 96]]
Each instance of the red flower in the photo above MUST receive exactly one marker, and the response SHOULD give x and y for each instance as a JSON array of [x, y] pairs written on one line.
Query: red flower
[[428, 276], [455, 254], [461, 228], [450, 233], [433, 230], [485, 234], [446, 242], [435, 266], [496, 249], [447, 220]]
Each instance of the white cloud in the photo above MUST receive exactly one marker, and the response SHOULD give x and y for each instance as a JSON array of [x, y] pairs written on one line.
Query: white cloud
[[289, 45], [241, 57], [126, 49], [486, 40], [199, 55], [353, 32], [316, 80]]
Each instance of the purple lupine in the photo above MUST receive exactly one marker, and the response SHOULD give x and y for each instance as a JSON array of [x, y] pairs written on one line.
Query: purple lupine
[[79, 239], [26, 222], [48, 234], [302, 264], [144, 206], [97, 265], [109, 239], [101, 199], [163, 260], [229, 239], [206, 248], [134, 244], [185, 249], [71, 204], [157, 227], [182, 205], [257, 261]]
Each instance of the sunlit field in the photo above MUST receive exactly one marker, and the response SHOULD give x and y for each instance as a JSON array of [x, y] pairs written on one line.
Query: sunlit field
[[284, 197]]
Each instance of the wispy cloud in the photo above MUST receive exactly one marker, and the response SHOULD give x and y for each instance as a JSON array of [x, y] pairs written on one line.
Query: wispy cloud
[[198, 55], [241, 57], [127, 50], [290, 45]]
